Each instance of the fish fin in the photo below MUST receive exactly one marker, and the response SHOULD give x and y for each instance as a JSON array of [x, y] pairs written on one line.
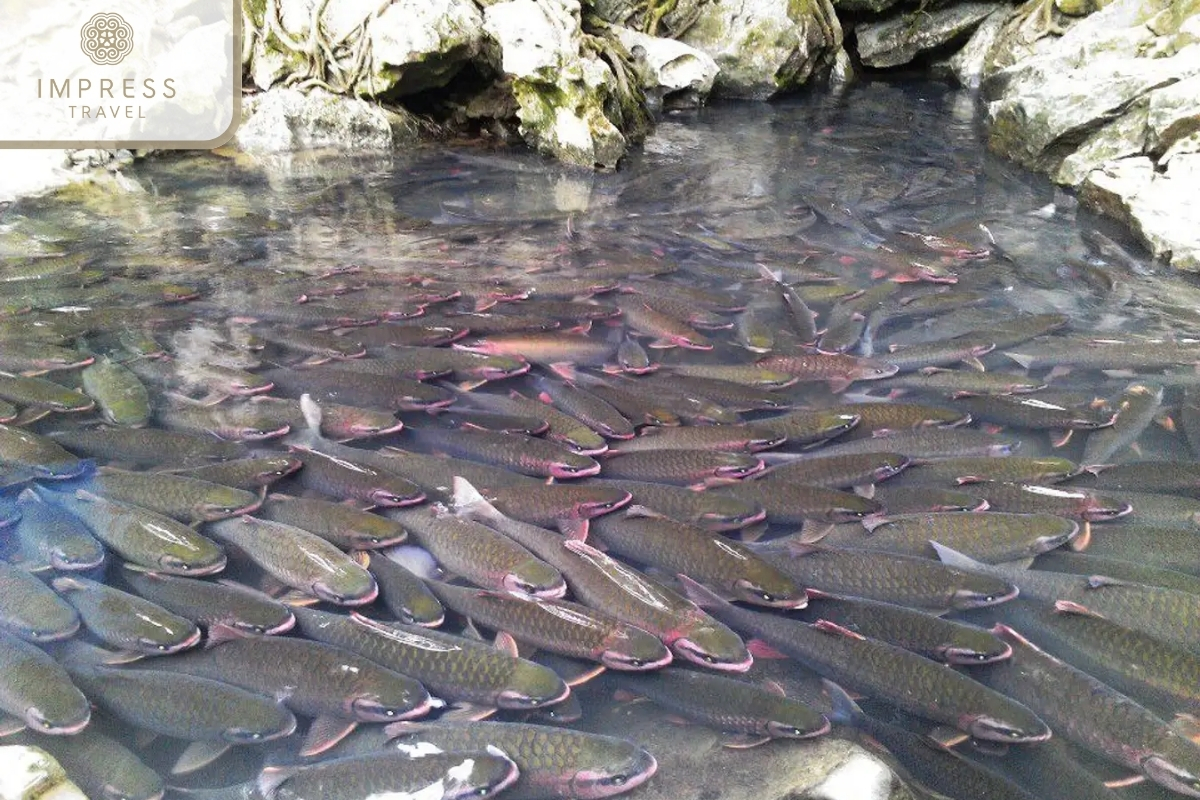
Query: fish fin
[[992, 428], [470, 386], [774, 687], [662, 344], [866, 490], [641, 511], [839, 385], [797, 548], [626, 696], [742, 741], [845, 710], [873, 521], [468, 501], [826, 626], [471, 632], [198, 755], [10, 725], [878, 272], [946, 737], [67, 584], [812, 532], [361, 557], [1023, 360], [974, 363], [1059, 437], [576, 529], [271, 777], [144, 738], [752, 533], [565, 370], [1100, 581], [1009, 635], [700, 595], [219, 634], [506, 644], [983, 748], [467, 712], [948, 555], [1071, 607], [324, 733], [760, 649], [1082, 539], [1186, 725], [585, 674], [295, 597], [962, 480], [1121, 783]]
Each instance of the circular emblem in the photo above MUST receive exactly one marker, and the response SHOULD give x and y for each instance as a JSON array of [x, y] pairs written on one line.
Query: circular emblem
[[106, 39]]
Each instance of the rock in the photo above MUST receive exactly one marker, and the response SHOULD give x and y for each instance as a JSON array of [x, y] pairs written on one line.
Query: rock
[[674, 73], [656, 18], [859, 777], [288, 119], [1160, 208], [766, 47], [968, 64], [420, 44], [898, 40], [1124, 136], [868, 6], [30, 773], [1174, 112], [560, 92]]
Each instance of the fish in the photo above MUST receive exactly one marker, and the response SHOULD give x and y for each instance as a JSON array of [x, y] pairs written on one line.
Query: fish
[[32, 359], [667, 331], [877, 416], [43, 393], [1085, 563], [188, 500], [339, 423], [562, 427], [460, 364], [904, 679], [31, 610], [210, 603], [102, 766], [524, 454], [1081, 504], [1171, 477], [725, 438], [430, 776], [345, 527], [558, 626], [807, 426], [1035, 413], [602, 582], [552, 762], [680, 467], [734, 396], [235, 422], [787, 502], [837, 369], [51, 537], [125, 621], [142, 536], [677, 547], [748, 714], [991, 537], [331, 383], [964, 471], [299, 559], [1135, 410], [1165, 547], [925, 761], [44, 457], [455, 669], [405, 594], [1097, 353], [121, 396], [874, 575], [480, 554], [559, 351], [709, 510], [1095, 716], [754, 375], [37, 690], [921, 499], [251, 474], [149, 447], [958, 383], [926, 445], [802, 317], [340, 474]]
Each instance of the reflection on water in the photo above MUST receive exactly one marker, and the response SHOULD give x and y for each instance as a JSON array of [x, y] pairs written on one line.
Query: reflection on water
[[857, 275]]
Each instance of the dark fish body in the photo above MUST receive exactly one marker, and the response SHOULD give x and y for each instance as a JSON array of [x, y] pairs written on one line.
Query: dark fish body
[[49, 536], [990, 537], [210, 603], [1096, 354], [1054, 763], [43, 393], [345, 527], [677, 547], [335, 385], [314, 679], [903, 580], [423, 363], [38, 691], [122, 398], [30, 609], [638, 407], [435, 474], [299, 559], [944, 352], [1170, 477], [898, 417], [727, 704], [553, 762], [922, 499], [927, 762], [342, 475], [1035, 413], [710, 510], [404, 594], [234, 422], [1168, 548], [453, 668], [562, 427], [726, 438], [840, 472], [1162, 510], [45, 457], [179, 497], [479, 553], [339, 423], [792, 503], [921, 632], [559, 626], [1064, 501], [149, 447], [839, 369], [962, 382], [432, 776], [101, 766], [807, 426], [142, 536], [524, 454], [911, 682], [1095, 716], [1129, 571], [589, 408], [734, 396], [958, 471], [184, 706], [1135, 410], [928, 445], [679, 466], [545, 348], [250, 474], [125, 621]]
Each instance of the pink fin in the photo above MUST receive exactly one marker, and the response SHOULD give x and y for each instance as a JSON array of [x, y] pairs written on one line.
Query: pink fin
[[774, 687], [575, 530], [324, 733], [1069, 607], [624, 696], [1121, 783], [219, 634], [1100, 581], [826, 626], [198, 755], [742, 741], [760, 649], [1083, 538], [270, 778], [506, 644], [467, 712]]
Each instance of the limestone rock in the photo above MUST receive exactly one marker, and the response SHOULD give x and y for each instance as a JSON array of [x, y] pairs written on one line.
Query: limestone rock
[[766, 47], [665, 19], [968, 64], [1123, 137], [420, 44], [868, 6], [674, 73], [560, 91], [859, 777], [1160, 208], [288, 119], [1174, 112], [30, 773], [898, 40]]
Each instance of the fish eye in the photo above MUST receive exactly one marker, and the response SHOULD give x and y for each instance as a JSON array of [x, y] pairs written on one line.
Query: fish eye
[[614, 780], [708, 659]]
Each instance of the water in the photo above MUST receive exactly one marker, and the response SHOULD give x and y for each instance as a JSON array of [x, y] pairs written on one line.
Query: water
[[828, 192]]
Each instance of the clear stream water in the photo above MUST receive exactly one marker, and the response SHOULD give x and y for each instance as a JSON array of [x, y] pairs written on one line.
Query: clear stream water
[[815, 183]]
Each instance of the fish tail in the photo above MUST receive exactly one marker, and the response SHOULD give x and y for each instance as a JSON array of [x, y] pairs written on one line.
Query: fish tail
[[312, 413], [948, 555], [701, 595], [468, 502], [845, 711]]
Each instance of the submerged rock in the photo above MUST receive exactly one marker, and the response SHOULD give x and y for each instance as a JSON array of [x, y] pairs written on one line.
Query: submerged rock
[[288, 119], [673, 73], [30, 773], [898, 40], [766, 47]]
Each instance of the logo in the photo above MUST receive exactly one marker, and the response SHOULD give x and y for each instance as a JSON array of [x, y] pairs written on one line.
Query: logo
[[106, 39]]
